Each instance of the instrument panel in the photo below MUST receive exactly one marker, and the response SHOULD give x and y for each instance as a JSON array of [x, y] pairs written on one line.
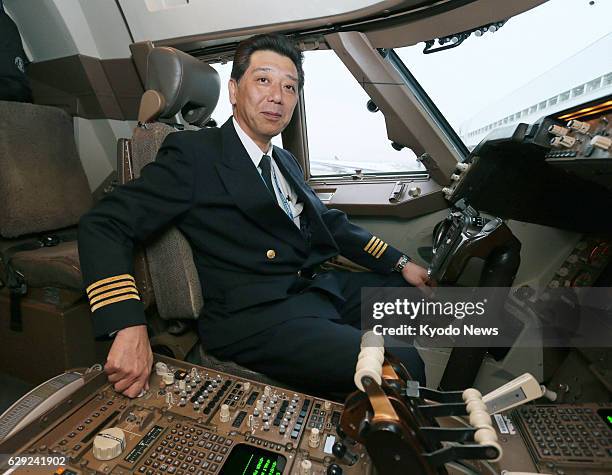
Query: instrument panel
[[194, 420], [581, 143], [555, 172]]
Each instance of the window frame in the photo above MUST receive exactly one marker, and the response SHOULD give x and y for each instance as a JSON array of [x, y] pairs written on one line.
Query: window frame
[[353, 178]]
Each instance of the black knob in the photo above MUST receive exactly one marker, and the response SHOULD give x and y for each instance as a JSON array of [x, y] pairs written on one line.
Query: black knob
[[339, 449], [334, 469]]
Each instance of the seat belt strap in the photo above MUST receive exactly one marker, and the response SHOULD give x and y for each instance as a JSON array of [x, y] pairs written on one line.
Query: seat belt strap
[[15, 280]]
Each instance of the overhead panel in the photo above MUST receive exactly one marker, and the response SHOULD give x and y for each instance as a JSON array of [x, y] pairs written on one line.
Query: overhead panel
[[164, 19], [396, 32]]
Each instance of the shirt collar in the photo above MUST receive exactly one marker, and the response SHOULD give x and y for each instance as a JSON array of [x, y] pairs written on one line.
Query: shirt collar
[[251, 147]]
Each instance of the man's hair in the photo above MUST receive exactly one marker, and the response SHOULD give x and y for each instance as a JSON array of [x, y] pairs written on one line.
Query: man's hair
[[268, 42]]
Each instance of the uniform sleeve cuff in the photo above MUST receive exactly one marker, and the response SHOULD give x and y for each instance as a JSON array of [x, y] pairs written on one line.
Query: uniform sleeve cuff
[[115, 304]]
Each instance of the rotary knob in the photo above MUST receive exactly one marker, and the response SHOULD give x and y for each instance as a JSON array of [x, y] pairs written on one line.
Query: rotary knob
[[334, 469], [414, 191], [109, 444]]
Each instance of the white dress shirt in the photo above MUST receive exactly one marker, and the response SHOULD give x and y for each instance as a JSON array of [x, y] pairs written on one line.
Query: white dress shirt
[[286, 193]]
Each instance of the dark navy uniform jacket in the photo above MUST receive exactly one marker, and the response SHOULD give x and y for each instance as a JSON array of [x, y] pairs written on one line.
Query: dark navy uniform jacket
[[247, 251]]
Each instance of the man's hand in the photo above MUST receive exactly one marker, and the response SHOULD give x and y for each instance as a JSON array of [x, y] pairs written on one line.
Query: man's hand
[[129, 361], [417, 276]]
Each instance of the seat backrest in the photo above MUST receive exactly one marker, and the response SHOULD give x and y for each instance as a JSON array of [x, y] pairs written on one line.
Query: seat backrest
[[176, 82], [43, 186]]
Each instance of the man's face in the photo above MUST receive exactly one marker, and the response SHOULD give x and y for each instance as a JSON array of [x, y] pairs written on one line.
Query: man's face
[[265, 96]]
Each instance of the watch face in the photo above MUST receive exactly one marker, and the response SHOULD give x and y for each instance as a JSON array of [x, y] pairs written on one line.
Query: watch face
[[401, 263]]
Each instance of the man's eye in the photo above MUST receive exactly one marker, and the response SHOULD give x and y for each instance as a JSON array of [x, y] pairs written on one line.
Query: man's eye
[[290, 87], [262, 80]]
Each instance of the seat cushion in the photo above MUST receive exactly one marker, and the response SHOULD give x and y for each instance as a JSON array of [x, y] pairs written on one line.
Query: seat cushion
[[56, 266]]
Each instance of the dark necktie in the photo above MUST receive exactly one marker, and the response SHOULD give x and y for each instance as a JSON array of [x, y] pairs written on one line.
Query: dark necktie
[[266, 172]]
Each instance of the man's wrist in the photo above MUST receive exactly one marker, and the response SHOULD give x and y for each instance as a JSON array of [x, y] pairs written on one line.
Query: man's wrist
[[401, 263]]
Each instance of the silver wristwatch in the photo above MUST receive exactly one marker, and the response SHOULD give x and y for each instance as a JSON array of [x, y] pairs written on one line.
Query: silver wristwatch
[[401, 263]]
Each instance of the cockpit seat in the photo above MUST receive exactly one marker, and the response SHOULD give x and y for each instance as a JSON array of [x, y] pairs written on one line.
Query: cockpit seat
[[44, 192], [44, 323], [176, 83]]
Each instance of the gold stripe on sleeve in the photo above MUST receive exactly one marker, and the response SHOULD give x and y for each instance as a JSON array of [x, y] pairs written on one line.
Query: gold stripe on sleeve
[[374, 244], [107, 287], [112, 293], [369, 243], [108, 280], [382, 250], [374, 250], [114, 300]]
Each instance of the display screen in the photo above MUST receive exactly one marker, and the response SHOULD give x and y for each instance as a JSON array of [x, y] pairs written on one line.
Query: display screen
[[606, 415], [246, 459]]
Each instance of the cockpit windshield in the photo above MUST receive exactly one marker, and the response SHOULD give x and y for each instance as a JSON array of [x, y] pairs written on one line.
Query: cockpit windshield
[[547, 59]]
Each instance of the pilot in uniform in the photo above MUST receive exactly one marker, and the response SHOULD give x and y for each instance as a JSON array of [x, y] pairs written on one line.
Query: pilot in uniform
[[259, 235]]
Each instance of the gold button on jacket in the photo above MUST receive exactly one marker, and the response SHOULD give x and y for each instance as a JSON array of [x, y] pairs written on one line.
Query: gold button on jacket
[[271, 254]]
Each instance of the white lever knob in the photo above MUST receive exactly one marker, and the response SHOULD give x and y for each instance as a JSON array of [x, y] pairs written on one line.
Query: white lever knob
[[224, 413], [315, 438], [168, 378], [480, 418], [374, 353], [485, 435], [161, 368], [476, 405], [372, 339], [471, 394], [367, 366]]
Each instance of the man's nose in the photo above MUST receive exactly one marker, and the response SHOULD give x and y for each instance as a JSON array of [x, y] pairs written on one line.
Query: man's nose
[[276, 93]]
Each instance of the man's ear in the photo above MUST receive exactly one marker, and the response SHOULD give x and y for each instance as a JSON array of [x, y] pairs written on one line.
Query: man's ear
[[232, 86]]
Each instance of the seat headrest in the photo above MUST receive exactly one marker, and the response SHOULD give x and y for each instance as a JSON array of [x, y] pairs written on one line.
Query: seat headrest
[[177, 82]]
